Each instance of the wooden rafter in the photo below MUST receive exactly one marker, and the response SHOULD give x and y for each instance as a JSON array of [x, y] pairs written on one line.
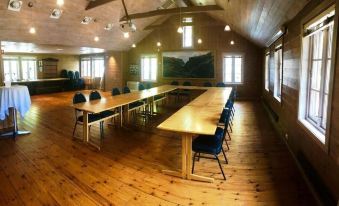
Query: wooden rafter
[[183, 10], [95, 3]]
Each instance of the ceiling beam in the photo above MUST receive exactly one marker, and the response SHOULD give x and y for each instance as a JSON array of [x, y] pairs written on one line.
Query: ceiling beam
[[95, 3], [168, 26], [183, 10], [188, 3]]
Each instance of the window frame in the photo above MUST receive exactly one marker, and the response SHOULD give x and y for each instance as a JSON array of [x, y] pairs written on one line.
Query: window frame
[[267, 71], [91, 59], [19, 61], [184, 25], [278, 71], [319, 138], [156, 69], [233, 68]]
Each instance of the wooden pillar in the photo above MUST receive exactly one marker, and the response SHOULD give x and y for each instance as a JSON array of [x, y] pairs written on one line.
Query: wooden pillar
[[2, 78]]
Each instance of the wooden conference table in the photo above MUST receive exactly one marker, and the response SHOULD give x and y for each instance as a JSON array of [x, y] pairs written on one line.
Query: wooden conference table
[[200, 116]]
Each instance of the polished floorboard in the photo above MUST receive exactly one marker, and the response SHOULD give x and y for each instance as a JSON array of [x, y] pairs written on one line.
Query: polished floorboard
[[47, 167]]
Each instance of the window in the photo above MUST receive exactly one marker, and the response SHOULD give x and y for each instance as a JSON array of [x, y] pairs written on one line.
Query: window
[[92, 66], [278, 72], [267, 66], [19, 68], [149, 67], [187, 35], [29, 68], [315, 77], [232, 69]]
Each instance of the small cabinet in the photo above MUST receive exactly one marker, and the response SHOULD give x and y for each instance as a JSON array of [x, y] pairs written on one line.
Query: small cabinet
[[48, 68]]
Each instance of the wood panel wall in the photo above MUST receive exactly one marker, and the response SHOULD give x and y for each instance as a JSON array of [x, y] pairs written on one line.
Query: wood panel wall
[[214, 39], [307, 150], [115, 62]]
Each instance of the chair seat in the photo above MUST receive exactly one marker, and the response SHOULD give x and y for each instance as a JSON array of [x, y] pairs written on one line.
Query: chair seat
[[206, 144], [91, 118], [184, 93], [107, 113], [136, 104], [157, 97]]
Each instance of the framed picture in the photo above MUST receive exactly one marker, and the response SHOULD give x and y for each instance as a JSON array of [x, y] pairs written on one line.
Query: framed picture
[[188, 64]]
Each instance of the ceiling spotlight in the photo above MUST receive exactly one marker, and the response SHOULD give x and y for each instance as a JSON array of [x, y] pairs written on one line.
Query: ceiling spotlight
[[128, 27], [227, 28], [60, 2], [108, 27], [56, 14], [59, 49], [87, 20], [14, 5], [232, 42], [32, 30], [199, 41], [180, 30], [96, 38], [133, 45], [126, 35], [158, 44]]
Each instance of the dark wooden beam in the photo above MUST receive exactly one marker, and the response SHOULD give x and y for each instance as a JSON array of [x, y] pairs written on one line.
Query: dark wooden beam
[[188, 3], [183, 10], [95, 3]]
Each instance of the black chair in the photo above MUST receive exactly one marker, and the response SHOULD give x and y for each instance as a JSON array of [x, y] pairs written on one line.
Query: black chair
[[141, 87], [149, 85], [185, 92], [209, 145], [72, 82], [115, 91], [126, 90], [79, 119], [224, 122], [175, 92], [220, 84], [134, 106], [208, 84], [63, 73]]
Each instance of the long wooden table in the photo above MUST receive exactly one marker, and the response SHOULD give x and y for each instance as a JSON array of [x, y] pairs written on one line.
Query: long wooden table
[[200, 116], [112, 102]]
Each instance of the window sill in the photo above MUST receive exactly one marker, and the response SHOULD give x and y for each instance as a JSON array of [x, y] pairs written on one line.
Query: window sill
[[233, 83], [277, 98], [314, 131]]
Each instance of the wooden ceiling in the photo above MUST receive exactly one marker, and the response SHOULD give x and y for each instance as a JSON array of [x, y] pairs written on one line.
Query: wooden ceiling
[[257, 20]]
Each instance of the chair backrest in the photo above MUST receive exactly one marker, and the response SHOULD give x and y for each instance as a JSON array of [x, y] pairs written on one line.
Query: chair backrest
[[174, 83], [223, 116], [63, 73], [229, 103], [115, 91], [70, 75], [94, 95], [126, 90], [148, 85], [219, 136], [207, 84], [79, 98], [141, 87], [220, 84], [187, 84], [77, 75]]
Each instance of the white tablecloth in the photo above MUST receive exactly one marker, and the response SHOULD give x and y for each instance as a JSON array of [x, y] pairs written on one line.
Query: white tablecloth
[[15, 96]]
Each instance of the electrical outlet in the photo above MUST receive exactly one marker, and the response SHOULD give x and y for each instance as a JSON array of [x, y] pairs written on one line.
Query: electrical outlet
[[286, 136]]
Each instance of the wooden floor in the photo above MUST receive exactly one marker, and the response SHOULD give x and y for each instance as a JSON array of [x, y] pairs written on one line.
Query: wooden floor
[[48, 168]]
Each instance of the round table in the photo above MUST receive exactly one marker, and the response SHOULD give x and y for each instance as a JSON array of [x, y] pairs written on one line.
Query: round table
[[17, 98]]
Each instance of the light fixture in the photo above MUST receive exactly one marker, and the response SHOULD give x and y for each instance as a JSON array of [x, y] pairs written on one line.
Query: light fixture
[[126, 35], [227, 28], [60, 2], [133, 45], [32, 30], [59, 49], [108, 27], [232, 42], [180, 30], [96, 38], [199, 41], [87, 20], [158, 44], [56, 14], [14, 5]]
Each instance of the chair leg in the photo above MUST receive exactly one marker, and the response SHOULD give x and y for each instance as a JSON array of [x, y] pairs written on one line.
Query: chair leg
[[195, 154], [198, 156], [75, 126], [222, 171], [229, 135], [222, 149], [228, 148], [230, 127]]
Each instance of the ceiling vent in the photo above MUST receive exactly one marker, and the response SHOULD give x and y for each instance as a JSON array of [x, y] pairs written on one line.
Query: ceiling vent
[[14, 5], [167, 4], [56, 14], [87, 20]]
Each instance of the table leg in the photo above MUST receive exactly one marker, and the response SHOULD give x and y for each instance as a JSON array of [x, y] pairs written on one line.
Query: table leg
[[121, 116], [15, 131], [85, 127], [186, 163]]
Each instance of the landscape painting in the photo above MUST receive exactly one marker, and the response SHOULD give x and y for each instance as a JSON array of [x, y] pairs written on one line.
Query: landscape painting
[[188, 64]]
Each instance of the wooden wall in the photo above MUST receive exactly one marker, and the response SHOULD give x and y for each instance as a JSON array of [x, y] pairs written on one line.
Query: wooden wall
[[214, 39], [306, 149], [115, 62]]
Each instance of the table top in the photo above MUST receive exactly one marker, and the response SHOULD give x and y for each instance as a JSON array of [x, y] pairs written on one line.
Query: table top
[[41, 80], [201, 115], [108, 102]]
